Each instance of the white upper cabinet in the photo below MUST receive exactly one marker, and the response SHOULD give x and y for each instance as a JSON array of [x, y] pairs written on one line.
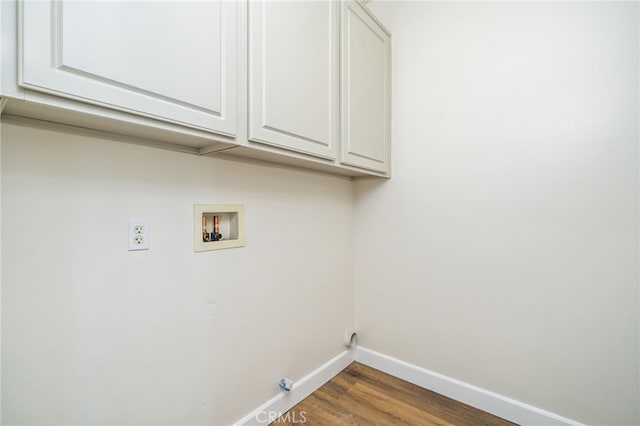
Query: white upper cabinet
[[294, 75], [365, 96], [169, 60], [298, 82]]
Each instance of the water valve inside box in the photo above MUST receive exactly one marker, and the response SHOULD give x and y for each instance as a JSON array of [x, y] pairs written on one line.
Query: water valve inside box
[[218, 226]]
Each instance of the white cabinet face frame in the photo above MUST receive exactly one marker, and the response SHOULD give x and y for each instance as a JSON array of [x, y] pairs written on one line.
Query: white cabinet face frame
[[366, 90], [294, 75], [169, 60]]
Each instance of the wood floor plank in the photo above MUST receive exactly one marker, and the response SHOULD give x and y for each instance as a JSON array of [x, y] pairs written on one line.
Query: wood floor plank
[[361, 395]]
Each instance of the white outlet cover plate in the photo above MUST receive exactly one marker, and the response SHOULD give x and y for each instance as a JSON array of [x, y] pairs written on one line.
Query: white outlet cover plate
[[138, 237]]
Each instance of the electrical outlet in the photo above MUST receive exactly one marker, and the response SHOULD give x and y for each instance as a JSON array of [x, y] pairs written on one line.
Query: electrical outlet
[[138, 234]]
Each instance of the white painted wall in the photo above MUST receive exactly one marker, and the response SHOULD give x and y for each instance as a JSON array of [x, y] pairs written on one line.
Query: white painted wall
[[504, 251], [94, 334]]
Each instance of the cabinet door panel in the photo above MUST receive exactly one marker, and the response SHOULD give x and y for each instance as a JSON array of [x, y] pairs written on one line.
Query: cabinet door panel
[[174, 61], [293, 75], [366, 88]]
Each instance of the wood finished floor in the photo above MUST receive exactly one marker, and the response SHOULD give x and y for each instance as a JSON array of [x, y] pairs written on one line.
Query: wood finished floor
[[361, 395]]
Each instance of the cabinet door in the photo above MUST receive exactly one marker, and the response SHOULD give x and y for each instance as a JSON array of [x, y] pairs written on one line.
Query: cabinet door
[[365, 97], [293, 75], [169, 60]]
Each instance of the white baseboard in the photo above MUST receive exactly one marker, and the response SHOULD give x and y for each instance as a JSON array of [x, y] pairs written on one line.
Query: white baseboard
[[501, 406], [302, 388]]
